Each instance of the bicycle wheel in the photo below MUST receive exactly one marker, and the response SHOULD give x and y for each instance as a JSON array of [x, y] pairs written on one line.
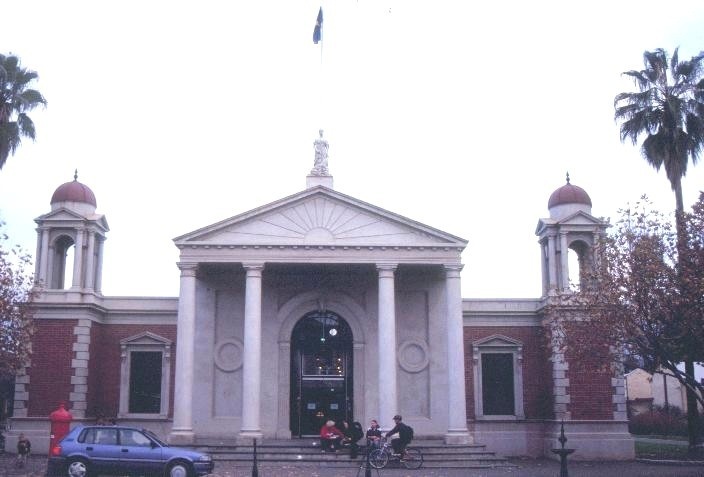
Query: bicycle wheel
[[412, 459], [378, 459]]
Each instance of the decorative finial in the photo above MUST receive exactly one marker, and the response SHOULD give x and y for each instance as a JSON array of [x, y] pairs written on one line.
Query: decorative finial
[[568, 177], [562, 437], [75, 175]]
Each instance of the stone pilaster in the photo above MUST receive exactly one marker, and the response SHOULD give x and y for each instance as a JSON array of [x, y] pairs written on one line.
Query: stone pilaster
[[618, 382], [21, 398], [79, 364]]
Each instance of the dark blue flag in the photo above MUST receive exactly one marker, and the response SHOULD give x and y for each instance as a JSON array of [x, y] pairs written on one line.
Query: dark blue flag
[[318, 30]]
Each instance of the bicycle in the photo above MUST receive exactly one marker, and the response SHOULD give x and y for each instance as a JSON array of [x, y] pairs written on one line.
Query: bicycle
[[411, 458]]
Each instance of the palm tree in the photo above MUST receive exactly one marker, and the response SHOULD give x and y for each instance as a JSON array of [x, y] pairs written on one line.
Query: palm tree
[[16, 98], [669, 110]]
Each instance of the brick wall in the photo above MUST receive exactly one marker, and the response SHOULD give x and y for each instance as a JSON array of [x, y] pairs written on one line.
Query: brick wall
[[590, 390], [536, 370], [50, 371], [104, 387]]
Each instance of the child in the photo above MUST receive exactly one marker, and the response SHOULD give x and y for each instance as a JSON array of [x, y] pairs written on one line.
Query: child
[[23, 449]]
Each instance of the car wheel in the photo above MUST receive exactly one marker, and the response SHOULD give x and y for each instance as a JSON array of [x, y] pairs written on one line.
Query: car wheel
[[77, 468], [178, 469]]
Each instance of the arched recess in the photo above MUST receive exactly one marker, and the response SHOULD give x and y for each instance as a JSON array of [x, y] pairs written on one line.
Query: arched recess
[[580, 262], [289, 314], [62, 263]]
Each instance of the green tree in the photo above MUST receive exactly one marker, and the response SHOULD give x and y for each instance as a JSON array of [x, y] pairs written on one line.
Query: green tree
[[16, 312], [668, 110], [644, 297], [16, 99]]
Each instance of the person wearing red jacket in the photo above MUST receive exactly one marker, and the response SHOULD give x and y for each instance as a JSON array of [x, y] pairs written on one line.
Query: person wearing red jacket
[[330, 437]]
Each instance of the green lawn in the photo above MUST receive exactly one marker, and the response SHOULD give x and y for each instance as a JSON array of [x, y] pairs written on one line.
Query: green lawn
[[654, 450]]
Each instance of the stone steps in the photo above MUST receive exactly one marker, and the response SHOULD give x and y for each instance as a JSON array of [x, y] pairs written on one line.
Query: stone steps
[[435, 454]]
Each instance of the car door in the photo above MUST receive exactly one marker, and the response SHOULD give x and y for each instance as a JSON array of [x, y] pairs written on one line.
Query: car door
[[138, 453], [100, 446]]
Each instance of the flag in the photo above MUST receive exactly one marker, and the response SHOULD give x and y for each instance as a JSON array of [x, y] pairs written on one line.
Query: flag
[[318, 30]]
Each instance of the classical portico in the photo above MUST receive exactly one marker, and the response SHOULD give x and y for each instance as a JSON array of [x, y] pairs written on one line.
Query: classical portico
[[246, 282]]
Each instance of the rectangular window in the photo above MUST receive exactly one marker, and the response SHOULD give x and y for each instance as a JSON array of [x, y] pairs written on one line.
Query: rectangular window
[[497, 384], [145, 382]]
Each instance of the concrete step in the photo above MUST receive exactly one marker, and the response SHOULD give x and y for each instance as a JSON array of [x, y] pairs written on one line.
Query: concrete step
[[435, 454]]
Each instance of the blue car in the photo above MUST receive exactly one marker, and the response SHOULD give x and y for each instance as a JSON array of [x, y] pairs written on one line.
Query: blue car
[[119, 450]]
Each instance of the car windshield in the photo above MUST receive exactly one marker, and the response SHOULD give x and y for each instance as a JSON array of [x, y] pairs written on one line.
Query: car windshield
[[155, 437]]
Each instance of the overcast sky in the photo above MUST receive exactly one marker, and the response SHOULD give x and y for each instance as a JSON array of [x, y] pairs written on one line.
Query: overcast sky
[[461, 115]]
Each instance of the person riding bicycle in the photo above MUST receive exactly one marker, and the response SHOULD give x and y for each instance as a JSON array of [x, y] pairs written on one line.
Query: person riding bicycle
[[405, 436]]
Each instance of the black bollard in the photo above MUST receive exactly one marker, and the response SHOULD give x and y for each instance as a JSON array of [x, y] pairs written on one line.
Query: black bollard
[[255, 471], [367, 465]]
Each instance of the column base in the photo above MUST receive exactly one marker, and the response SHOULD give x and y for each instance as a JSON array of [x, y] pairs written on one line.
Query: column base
[[247, 437], [182, 437], [458, 437]]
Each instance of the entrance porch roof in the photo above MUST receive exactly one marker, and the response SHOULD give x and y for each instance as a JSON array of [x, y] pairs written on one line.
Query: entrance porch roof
[[320, 225]]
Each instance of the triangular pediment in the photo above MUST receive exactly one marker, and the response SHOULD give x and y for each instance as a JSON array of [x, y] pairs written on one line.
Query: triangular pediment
[[63, 214], [579, 219], [494, 341], [320, 216], [146, 338]]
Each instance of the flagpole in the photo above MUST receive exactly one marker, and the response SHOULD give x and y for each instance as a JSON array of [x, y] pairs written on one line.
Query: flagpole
[[321, 75]]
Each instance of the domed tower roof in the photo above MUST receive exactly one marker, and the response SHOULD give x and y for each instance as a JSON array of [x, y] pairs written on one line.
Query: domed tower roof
[[74, 195], [569, 199]]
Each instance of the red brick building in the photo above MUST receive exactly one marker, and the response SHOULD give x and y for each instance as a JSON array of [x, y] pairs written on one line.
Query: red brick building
[[281, 315]]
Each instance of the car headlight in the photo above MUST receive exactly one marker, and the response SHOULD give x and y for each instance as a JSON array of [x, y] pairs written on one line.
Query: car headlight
[[205, 458]]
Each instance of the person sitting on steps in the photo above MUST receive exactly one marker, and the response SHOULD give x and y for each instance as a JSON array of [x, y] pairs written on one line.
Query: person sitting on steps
[[330, 437], [373, 434]]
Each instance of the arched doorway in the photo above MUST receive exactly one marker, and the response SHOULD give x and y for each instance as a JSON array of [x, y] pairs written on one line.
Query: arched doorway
[[321, 372]]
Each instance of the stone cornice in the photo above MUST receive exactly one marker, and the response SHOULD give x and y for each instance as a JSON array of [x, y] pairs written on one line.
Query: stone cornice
[[206, 246]]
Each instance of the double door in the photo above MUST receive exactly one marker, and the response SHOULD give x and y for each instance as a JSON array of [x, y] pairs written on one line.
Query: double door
[[321, 373]]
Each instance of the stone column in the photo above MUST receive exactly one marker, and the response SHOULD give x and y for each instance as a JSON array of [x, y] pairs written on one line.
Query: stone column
[[44, 259], [182, 431], [251, 365], [457, 432], [388, 398], [552, 270], [90, 261], [564, 267], [99, 268], [78, 260]]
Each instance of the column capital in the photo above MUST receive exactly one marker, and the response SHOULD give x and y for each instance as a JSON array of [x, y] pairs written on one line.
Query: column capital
[[452, 269], [253, 269], [386, 267], [187, 268]]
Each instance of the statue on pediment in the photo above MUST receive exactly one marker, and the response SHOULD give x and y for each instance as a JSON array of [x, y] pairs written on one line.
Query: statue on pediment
[[320, 165]]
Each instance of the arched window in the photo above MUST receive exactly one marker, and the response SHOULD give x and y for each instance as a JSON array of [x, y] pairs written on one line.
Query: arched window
[[62, 264], [579, 263]]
